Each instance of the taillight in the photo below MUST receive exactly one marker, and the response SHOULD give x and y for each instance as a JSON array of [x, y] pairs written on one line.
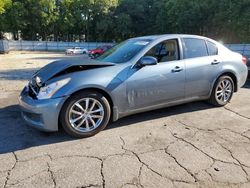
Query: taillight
[[244, 60]]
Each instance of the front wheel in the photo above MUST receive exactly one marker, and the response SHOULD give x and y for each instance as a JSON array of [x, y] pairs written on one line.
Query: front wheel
[[85, 114], [222, 92]]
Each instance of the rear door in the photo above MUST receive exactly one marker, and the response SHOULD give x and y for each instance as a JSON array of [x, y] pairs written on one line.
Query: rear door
[[202, 66]]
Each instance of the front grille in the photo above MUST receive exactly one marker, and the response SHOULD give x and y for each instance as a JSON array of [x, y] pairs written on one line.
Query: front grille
[[32, 92]]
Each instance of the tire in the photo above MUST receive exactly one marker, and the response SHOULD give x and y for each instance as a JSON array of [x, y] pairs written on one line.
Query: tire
[[98, 115], [96, 55], [220, 97]]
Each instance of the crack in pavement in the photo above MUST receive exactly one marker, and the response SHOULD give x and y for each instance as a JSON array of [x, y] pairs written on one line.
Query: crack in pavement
[[237, 113], [186, 125], [214, 130], [52, 176], [240, 164], [177, 162], [206, 170], [102, 174], [138, 158], [246, 131], [23, 161], [241, 134], [20, 181], [139, 176], [214, 159], [90, 185], [92, 157], [222, 183], [9, 171], [147, 166]]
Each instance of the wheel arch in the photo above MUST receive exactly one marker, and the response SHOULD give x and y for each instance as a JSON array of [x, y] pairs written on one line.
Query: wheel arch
[[230, 74], [94, 89]]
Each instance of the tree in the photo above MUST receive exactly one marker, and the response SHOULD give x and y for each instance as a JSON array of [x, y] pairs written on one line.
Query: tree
[[39, 18], [108, 20], [3, 5]]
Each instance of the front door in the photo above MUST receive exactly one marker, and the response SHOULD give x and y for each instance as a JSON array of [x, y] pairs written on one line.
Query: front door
[[157, 84]]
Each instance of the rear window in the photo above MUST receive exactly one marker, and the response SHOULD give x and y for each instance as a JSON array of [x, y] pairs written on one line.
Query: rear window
[[212, 48], [194, 48]]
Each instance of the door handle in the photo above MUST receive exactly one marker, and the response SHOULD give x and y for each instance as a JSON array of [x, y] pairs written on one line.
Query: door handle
[[215, 62], [177, 69]]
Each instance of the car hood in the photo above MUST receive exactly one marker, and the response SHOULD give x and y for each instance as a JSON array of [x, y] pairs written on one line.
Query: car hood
[[70, 65]]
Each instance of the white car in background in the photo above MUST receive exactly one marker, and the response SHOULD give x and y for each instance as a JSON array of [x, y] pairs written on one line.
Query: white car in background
[[76, 50]]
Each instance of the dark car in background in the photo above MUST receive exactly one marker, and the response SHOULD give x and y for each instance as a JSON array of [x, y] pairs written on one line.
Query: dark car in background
[[98, 51], [243, 49]]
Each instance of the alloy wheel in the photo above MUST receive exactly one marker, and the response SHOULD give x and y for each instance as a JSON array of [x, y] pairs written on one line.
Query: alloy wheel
[[86, 115], [224, 90]]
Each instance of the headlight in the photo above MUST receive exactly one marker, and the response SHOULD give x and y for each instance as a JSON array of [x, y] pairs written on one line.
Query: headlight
[[38, 81], [47, 91]]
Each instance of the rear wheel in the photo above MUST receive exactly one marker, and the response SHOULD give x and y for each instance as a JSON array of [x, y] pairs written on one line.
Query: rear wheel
[[222, 92], [85, 114]]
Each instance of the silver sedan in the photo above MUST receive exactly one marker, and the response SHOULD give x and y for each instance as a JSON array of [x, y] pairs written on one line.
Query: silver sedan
[[137, 75]]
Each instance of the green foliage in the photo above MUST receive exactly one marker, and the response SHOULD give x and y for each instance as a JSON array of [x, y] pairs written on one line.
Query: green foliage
[[108, 20], [3, 5]]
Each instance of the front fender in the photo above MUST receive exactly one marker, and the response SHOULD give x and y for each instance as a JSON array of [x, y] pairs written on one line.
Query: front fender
[[114, 87]]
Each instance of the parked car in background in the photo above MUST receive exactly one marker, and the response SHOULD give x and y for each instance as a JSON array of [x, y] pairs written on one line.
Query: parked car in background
[[98, 51], [243, 49], [76, 50], [137, 75]]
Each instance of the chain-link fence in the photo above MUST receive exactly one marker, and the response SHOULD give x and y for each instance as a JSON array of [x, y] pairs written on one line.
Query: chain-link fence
[[46, 45]]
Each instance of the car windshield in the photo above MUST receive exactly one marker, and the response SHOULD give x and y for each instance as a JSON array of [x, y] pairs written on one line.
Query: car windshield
[[124, 51]]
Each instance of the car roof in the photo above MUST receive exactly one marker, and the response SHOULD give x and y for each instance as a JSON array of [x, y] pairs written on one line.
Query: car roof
[[154, 37]]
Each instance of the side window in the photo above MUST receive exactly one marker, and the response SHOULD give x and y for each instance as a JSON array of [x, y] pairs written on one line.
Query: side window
[[194, 48], [212, 48], [165, 51]]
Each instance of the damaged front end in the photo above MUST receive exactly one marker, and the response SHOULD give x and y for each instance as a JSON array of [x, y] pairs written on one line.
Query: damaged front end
[[41, 85]]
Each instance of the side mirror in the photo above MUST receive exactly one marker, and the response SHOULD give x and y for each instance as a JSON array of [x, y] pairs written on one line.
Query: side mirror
[[147, 61]]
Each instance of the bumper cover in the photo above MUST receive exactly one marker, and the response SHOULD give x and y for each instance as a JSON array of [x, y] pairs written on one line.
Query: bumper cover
[[40, 114]]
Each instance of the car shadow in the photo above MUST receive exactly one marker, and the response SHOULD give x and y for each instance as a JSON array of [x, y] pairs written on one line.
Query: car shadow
[[15, 135], [247, 84]]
